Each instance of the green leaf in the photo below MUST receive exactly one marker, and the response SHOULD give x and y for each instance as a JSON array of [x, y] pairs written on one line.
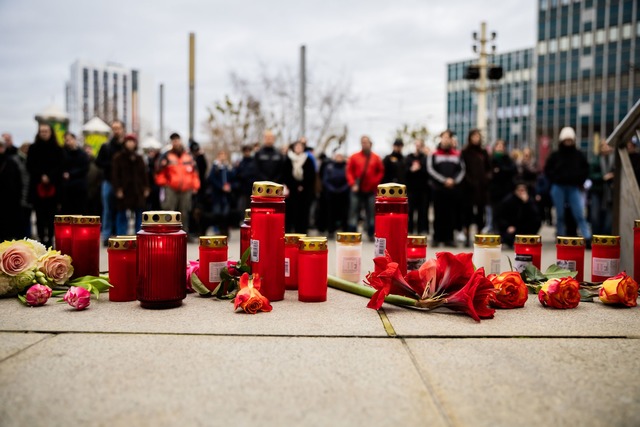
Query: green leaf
[[58, 293], [198, 286], [555, 272], [531, 274], [510, 264], [23, 299], [245, 256], [587, 295]]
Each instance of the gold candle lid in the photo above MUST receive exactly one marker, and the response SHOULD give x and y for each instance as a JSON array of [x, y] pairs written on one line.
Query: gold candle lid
[[570, 241], [528, 239], [267, 189], [312, 244], [392, 190], [417, 240], [597, 239], [636, 223], [293, 238], [123, 242], [213, 241], [64, 219], [247, 214], [85, 220], [344, 237], [487, 239], [161, 218]]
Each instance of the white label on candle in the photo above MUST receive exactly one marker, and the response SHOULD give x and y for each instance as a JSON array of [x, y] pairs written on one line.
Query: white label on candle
[[350, 264], [380, 246], [287, 267], [214, 271], [521, 262], [255, 250], [605, 266], [567, 264], [495, 266]]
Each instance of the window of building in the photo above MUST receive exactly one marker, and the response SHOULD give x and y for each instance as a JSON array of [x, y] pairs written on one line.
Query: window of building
[[638, 29], [626, 31], [587, 38], [613, 34], [553, 46], [600, 36], [587, 15], [575, 41], [586, 62], [584, 109], [564, 43], [542, 47], [544, 4]]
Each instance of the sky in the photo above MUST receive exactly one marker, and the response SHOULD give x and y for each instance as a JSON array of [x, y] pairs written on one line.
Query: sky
[[394, 53]]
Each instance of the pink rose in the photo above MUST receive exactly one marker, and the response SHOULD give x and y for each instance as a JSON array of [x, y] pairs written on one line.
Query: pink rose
[[193, 267], [57, 267], [17, 257], [232, 268], [38, 295], [77, 297]]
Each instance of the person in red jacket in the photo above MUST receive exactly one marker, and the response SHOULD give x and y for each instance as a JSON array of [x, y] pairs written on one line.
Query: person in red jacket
[[364, 172], [178, 176]]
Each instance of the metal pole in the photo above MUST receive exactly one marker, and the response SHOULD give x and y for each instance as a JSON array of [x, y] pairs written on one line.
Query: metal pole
[[481, 120], [161, 113], [303, 90], [192, 79]]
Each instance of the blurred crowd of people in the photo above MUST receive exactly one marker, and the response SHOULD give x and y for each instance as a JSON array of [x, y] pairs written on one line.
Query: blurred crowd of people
[[465, 188]]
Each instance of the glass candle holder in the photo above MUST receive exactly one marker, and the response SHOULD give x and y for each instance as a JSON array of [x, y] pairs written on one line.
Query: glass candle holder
[[63, 233], [570, 255], [245, 235], [122, 253], [312, 269], [392, 223], [162, 260], [291, 260], [214, 253], [487, 252], [416, 252], [85, 246], [267, 237], [605, 257], [349, 256], [636, 250], [528, 250]]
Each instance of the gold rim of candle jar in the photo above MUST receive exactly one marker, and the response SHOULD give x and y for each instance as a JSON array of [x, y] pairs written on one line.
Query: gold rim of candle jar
[[213, 241], [122, 243], [570, 241], [293, 238], [636, 223], [85, 220], [417, 240], [267, 189], [64, 219], [348, 237], [247, 214], [161, 217], [528, 239], [487, 240], [598, 239], [312, 244], [392, 190]]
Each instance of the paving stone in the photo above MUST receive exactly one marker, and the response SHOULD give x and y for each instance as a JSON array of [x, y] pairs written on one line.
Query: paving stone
[[12, 343]]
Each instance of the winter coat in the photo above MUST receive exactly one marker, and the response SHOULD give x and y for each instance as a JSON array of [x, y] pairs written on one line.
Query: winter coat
[[418, 180], [503, 173], [221, 174], [129, 174], [246, 174], [178, 171], [394, 168], [76, 164], [445, 164], [334, 177], [11, 190], [367, 180], [269, 164], [567, 166], [305, 188], [105, 156], [44, 158], [477, 175]]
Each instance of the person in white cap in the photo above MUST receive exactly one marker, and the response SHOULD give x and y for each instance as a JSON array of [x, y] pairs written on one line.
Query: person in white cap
[[567, 170]]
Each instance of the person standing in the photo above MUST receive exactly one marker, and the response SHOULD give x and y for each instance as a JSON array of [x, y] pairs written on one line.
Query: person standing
[[567, 170], [503, 173], [269, 161], [336, 188], [300, 179], [11, 190], [364, 172], [446, 170], [418, 189], [74, 177], [130, 185], [221, 181], [394, 166], [475, 186], [9, 148], [103, 161], [601, 174], [44, 164], [24, 221], [246, 175]]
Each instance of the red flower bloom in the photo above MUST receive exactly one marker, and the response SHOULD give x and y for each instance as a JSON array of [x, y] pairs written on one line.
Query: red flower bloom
[[473, 297], [510, 290], [249, 297], [452, 271], [387, 279]]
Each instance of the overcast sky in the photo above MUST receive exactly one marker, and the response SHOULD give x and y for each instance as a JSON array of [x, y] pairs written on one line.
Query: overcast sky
[[394, 52]]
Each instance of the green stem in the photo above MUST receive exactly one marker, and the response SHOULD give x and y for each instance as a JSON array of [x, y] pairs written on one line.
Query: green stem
[[367, 291]]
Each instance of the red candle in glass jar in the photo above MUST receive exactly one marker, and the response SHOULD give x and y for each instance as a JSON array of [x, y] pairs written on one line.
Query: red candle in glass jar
[[312, 269], [245, 235], [416, 252], [570, 255], [85, 246], [122, 252], [392, 223], [213, 258], [267, 237], [63, 232], [162, 260], [291, 260], [528, 250], [605, 257], [636, 250]]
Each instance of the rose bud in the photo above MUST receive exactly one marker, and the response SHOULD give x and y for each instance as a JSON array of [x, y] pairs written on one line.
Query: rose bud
[[77, 297], [231, 268], [560, 293], [38, 295], [620, 289], [511, 291]]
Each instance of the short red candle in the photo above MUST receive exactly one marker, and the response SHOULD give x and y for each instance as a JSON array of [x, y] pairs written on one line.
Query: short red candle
[[570, 255], [85, 246], [291, 260], [605, 257], [416, 252], [245, 235], [636, 250], [392, 223], [213, 258], [312, 269], [162, 260], [63, 232], [528, 250], [122, 252], [267, 237]]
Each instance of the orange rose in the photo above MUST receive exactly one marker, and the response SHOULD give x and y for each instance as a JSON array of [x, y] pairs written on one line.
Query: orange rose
[[620, 289], [249, 297], [510, 290], [560, 293]]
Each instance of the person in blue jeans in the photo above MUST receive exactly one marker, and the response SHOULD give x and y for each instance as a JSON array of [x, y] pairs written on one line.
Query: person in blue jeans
[[567, 170], [130, 185], [105, 156]]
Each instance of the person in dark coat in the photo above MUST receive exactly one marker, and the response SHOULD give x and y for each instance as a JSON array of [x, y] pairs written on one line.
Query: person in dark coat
[[130, 183], [517, 214], [74, 177], [601, 174], [394, 165], [221, 182], [44, 164], [503, 173], [246, 174], [418, 189], [269, 161], [475, 187], [105, 156], [300, 179], [11, 190], [337, 193], [151, 159]]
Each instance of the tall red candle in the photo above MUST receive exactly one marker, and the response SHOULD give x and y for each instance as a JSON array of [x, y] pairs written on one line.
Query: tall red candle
[[85, 246], [312, 269], [528, 250], [122, 252], [636, 250], [63, 232], [213, 258], [291, 260], [245, 234], [416, 252], [267, 237], [570, 255], [391, 223], [605, 257], [162, 260]]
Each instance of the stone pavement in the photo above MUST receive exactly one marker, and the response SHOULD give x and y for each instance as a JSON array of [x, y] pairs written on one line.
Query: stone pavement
[[331, 363]]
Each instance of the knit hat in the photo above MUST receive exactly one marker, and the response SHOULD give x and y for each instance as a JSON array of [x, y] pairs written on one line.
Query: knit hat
[[131, 137], [567, 133]]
